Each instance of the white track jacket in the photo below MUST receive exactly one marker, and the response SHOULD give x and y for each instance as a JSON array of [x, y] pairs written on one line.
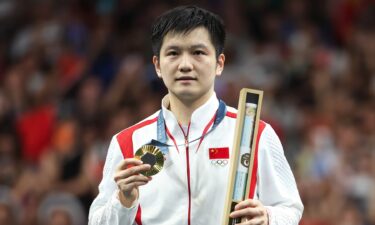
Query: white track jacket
[[192, 186]]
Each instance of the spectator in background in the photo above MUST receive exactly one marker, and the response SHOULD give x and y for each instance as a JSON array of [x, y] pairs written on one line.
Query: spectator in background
[[61, 209], [8, 209]]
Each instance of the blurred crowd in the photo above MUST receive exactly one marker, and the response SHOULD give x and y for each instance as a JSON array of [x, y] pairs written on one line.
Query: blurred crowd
[[73, 73]]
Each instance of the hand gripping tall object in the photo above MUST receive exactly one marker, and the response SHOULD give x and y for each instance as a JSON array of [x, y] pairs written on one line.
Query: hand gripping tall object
[[242, 160]]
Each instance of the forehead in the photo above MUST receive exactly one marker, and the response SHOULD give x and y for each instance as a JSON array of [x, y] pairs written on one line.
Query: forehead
[[197, 36]]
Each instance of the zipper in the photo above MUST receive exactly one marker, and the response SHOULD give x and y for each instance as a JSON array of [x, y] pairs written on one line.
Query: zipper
[[187, 169], [188, 177]]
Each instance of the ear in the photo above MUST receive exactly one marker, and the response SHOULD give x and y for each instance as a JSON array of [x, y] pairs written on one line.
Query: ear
[[156, 63], [220, 64]]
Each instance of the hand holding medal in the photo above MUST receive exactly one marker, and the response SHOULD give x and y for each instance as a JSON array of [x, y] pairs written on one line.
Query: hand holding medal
[[151, 155]]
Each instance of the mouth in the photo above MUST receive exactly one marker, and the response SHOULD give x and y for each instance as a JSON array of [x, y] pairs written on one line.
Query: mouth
[[185, 78]]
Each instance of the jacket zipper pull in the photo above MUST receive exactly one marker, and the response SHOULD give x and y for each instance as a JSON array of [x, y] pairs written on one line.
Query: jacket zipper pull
[[186, 143]]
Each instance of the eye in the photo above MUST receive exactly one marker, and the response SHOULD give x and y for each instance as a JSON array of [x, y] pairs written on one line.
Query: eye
[[199, 52], [172, 53]]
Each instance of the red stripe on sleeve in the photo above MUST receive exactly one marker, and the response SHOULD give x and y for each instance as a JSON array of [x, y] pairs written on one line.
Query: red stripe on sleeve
[[253, 181], [138, 216], [124, 138]]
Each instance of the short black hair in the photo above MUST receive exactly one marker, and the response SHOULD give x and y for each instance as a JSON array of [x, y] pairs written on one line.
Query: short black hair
[[184, 19]]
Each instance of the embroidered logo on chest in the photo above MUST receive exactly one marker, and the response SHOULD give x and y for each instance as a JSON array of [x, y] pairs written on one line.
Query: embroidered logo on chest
[[219, 156]]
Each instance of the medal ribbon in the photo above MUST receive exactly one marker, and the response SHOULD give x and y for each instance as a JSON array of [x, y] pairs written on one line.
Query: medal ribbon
[[161, 141]]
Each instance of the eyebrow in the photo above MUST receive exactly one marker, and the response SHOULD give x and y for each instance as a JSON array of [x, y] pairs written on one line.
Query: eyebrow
[[199, 46], [190, 47]]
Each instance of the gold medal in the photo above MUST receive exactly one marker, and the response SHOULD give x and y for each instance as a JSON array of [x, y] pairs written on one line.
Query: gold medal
[[151, 155]]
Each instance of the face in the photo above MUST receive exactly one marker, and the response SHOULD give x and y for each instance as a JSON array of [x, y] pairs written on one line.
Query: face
[[60, 217], [188, 65]]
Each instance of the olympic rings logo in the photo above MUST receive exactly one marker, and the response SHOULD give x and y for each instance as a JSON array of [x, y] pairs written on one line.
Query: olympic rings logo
[[219, 162]]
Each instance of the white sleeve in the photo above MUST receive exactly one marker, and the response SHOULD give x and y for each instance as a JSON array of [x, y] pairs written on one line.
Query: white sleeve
[[277, 187], [106, 208]]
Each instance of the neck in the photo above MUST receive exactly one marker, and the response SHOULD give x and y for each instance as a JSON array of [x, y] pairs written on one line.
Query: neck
[[183, 109]]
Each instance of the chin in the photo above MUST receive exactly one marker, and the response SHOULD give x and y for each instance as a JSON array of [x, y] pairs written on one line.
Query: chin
[[187, 95]]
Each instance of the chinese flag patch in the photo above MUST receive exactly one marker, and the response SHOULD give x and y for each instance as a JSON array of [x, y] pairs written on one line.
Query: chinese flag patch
[[218, 153]]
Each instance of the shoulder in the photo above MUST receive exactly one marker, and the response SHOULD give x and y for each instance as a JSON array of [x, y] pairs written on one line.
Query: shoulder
[[125, 137], [269, 140], [126, 134], [268, 131]]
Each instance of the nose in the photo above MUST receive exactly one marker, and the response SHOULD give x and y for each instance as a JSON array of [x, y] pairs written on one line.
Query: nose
[[185, 64]]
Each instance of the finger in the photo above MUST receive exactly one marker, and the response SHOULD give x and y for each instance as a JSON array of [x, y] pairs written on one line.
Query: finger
[[136, 178], [248, 212], [247, 203], [129, 161], [129, 187], [135, 170]]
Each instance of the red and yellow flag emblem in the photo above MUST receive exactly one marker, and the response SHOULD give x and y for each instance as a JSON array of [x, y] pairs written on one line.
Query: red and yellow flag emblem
[[218, 153]]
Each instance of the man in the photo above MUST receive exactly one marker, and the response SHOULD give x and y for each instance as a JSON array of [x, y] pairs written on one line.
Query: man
[[190, 189]]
